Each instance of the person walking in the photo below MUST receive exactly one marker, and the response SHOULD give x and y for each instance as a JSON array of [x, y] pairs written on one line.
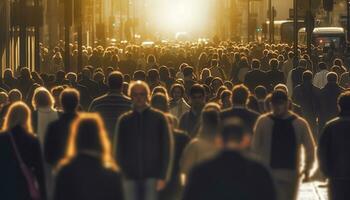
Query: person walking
[[20, 156], [143, 147], [88, 170], [333, 151], [277, 141], [230, 175]]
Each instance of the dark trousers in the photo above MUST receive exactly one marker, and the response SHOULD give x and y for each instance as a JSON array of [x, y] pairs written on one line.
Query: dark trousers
[[339, 189]]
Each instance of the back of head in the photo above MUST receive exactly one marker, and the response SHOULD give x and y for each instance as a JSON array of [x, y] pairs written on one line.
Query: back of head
[[210, 123], [332, 77], [322, 66], [139, 76], [344, 103], [232, 131], [188, 71], [273, 64], [307, 76], [86, 73], [197, 89], [3, 98], [115, 81], [240, 95], [15, 95], [42, 98], [302, 63], [260, 92], [160, 102], [70, 99], [18, 114], [153, 75]]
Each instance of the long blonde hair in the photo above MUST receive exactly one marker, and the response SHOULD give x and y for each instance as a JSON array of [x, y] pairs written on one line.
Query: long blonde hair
[[42, 98], [18, 114], [89, 125]]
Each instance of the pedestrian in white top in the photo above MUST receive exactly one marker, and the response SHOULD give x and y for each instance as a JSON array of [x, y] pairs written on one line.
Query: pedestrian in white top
[[320, 78]]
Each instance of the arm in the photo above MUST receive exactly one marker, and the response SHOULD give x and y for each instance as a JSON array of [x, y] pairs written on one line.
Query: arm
[[258, 136], [38, 165], [309, 145], [167, 149]]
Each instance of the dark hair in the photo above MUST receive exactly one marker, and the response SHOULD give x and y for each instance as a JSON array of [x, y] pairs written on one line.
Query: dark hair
[[115, 80], [69, 99], [332, 77], [153, 75], [322, 65], [255, 64], [344, 102], [139, 75], [210, 123], [233, 131], [240, 94], [197, 89], [273, 64], [188, 71], [160, 102], [307, 76], [260, 92], [279, 96]]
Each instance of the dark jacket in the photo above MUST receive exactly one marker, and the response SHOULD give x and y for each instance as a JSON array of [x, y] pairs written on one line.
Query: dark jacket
[[85, 96], [189, 123], [328, 104], [111, 106], [229, 176], [274, 77], [255, 78], [12, 182], [307, 97], [297, 76], [248, 116], [56, 138], [84, 178], [334, 148], [144, 145], [91, 85]]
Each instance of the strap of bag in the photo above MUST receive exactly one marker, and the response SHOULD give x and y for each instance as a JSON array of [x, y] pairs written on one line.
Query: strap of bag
[[33, 186]]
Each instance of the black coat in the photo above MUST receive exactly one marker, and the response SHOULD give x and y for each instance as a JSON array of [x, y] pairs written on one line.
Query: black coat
[[255, 78], [12, 181], [328, 104], [91, 85], [248, 116], [274, 77], [334, 148], [85, 178], [56, 138], [144, 145], [229, 176], [111, 106]]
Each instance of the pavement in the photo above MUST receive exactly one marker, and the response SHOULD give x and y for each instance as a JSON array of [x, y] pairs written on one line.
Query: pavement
[[312, 191]]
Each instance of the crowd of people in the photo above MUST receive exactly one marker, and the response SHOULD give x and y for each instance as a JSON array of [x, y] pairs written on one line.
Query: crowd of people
[[191, 121]]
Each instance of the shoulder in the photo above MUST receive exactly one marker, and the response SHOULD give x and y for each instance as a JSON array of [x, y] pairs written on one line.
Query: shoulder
[[264, 118], [332, 123]]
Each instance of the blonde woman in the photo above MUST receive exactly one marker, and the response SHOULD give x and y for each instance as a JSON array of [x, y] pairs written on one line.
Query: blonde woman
[[88, 170], [18, 143], [44, 112]]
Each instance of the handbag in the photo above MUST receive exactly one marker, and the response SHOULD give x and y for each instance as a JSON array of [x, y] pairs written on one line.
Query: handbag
[[32, 183]]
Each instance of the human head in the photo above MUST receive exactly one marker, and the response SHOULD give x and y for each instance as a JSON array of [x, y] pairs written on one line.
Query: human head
[[233, 135], [15, 95], [177, 91], [332, 77], [307, 76], [197, 97], [344, 103], [255, 64], [88, 133], [274, 64], [42, 98], [260, 92], [69, 99], [160, 102], [210, 124], [140, 94], [279, 103], [225, 98], [322, 66], [139, 75], [18, 114], [3, 98], [240, 95], [115, 81]]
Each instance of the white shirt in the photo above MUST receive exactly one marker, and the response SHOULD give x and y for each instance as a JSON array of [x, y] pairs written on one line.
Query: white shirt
[[320, 79]]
